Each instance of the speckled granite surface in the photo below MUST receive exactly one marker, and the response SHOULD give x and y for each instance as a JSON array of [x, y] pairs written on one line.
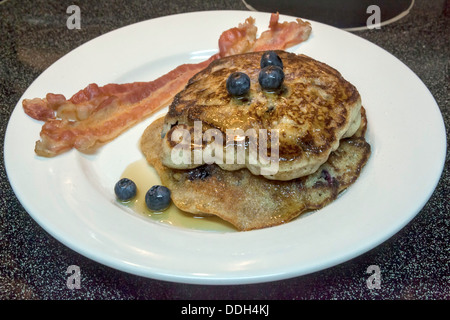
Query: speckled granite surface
[[414, 262]]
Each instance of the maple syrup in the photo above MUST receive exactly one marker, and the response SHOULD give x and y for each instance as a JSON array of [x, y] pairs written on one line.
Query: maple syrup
[[145, 176]]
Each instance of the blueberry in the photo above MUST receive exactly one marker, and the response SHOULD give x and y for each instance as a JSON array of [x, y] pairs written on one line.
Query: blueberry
[[271, 77], [238, 84], [158, 198], [271, 58], [125, 189]]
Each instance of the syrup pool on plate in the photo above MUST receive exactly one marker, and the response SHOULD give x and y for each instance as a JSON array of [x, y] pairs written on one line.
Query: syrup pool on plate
[[145, 176]]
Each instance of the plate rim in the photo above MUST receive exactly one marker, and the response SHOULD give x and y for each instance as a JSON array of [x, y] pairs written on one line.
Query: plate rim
[[199, 279]]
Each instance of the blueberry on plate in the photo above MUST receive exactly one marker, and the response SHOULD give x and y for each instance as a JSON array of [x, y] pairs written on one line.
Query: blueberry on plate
[[158, 198], [125, 189], [271, 77], [271, 58], [238, 84]]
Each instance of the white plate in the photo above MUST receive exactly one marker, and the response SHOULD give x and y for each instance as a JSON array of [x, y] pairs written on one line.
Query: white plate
[[71, 196]]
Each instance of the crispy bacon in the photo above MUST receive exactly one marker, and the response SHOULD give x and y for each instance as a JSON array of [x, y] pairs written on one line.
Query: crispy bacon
[[238, 40], [279, 36], [95, 115], [282, 35]]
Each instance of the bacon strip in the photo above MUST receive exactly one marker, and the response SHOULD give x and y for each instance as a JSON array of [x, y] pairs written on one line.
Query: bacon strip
[[238, 40], [279, 36], [111, 109], [282, 35], [95, 115]]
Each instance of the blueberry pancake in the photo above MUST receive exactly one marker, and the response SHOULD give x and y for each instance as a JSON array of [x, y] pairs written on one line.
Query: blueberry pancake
[[309, 104], [251, 201]]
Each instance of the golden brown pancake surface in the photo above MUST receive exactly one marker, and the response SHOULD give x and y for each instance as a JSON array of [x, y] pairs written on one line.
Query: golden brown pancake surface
[[251, 201], [312, 111]]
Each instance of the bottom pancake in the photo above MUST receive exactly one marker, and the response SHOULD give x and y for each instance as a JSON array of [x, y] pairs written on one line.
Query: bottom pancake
[[253, 202]]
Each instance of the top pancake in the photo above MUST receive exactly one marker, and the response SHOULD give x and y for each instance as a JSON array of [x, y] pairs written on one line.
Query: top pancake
[[313, 110]]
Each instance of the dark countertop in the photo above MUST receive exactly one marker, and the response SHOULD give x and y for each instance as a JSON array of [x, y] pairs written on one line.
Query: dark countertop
[[414, 263]]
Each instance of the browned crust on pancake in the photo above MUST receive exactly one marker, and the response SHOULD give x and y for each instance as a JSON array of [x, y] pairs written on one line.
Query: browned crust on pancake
[[252, 202], [312, 109]]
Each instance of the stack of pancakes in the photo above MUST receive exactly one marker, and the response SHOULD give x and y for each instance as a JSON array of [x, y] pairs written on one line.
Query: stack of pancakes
[[321, 149]]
